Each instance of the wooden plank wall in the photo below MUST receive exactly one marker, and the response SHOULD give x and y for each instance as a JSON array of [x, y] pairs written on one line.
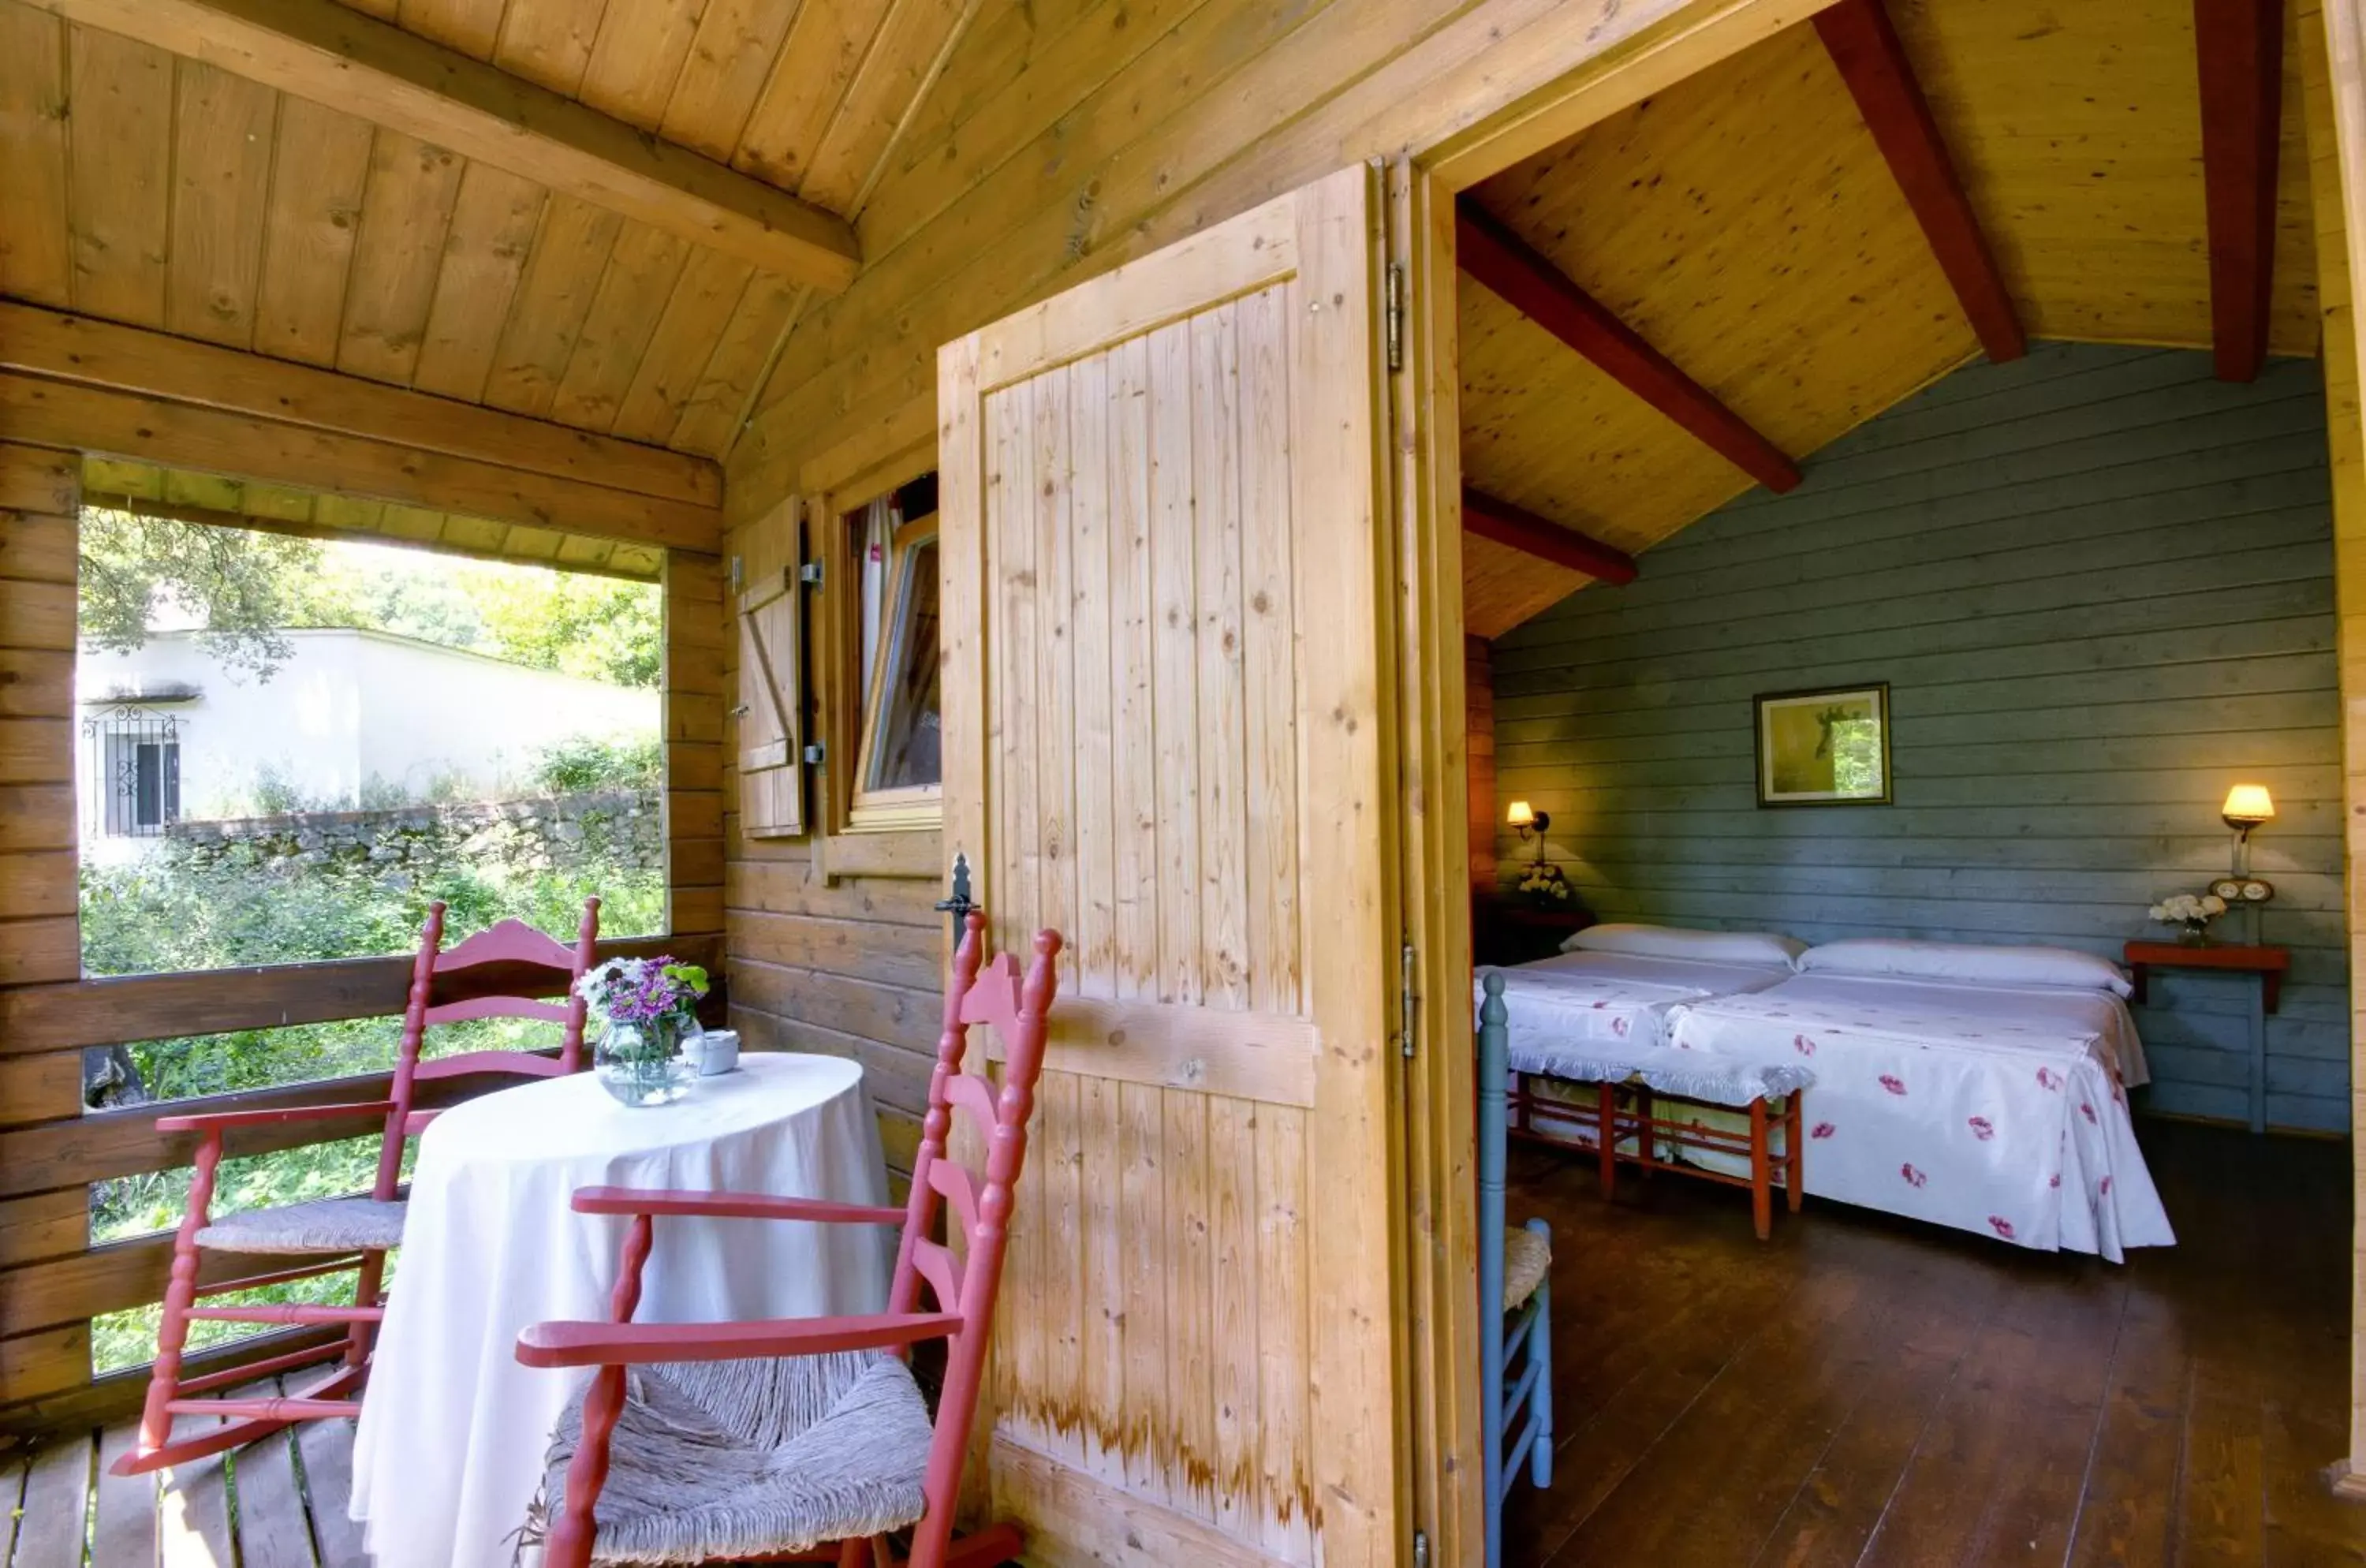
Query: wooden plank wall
[[2100, 584], [41, 939], [849, 965], [1479, 705], [699, 634], [1061, 138]]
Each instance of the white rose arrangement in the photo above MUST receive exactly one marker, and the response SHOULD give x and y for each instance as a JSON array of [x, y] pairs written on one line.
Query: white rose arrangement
[[2192, 911]]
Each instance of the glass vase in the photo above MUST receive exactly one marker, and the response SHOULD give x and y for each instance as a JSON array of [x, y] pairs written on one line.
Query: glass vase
[[645, 1064], [2195, 933]]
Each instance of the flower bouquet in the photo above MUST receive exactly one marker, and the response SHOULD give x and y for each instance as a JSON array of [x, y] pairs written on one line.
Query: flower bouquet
[[2191, 913], [646, 1007], [1544, 884]]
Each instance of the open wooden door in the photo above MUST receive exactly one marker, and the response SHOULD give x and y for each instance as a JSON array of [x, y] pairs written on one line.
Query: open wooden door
[[1167, 541]]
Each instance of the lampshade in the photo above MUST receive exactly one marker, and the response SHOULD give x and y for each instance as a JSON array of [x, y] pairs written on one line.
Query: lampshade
[[1519, 813], [2248, 804]]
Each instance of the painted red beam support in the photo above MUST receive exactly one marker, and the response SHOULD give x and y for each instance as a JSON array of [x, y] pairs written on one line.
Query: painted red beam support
[[2240, 44], [1507, 524], [1511, 270], [1857, 34]]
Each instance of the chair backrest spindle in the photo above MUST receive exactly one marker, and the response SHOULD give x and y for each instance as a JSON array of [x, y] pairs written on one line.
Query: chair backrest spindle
[[992, 994], [512, 943]]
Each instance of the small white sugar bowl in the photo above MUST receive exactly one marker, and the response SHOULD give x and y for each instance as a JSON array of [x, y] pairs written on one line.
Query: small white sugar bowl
[[718, 1051]]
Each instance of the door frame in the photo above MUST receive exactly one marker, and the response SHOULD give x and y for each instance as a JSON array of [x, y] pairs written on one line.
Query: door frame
[[1542, 86], [1548, 83]]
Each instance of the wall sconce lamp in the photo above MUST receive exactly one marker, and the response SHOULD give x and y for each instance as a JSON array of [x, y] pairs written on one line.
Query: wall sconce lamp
[[1526, 821], [2247, 807]]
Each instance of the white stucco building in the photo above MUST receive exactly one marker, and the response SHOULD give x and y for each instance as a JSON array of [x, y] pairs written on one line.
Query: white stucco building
[[352, 718]]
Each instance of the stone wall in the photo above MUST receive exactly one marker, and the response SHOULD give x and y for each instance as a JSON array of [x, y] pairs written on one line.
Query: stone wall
[[533, 834]]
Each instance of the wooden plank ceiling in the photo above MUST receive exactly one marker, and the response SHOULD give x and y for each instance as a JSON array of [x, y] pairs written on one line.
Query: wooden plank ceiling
[[1747, 226], [159, 191]]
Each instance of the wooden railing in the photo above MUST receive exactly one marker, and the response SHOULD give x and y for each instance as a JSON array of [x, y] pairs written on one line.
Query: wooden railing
[[52, 1280]]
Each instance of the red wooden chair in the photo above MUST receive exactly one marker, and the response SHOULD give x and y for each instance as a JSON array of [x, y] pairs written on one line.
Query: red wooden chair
[[805, 1440], [331, 1231]]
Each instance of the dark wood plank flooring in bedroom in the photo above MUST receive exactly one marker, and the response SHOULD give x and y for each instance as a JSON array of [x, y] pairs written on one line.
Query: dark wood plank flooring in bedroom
[[1863, 1390]]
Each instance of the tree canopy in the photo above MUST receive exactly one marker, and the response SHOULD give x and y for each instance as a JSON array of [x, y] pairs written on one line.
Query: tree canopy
[[239, 589]]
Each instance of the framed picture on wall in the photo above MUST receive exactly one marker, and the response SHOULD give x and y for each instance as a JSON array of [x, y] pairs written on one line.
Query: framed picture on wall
[[1829, 747]]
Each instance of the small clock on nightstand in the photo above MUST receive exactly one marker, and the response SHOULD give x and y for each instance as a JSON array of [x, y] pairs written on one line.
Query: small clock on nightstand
[[2242, 890]]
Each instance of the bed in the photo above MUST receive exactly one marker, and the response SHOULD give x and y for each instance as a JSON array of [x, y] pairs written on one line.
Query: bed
[[1611, 988], [1981, 1087]]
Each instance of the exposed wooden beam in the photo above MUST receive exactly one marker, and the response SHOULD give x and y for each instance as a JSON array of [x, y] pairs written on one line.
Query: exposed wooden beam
[[1506, 524], [152, 364], [222, 517], [118, 391], [1525, 279], [2240, 47], [79, 417], [336, 56], [1857, 34]]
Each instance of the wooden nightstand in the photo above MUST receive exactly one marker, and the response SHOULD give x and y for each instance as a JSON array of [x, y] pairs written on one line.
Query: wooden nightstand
[[2270, 964], [1504, 932]]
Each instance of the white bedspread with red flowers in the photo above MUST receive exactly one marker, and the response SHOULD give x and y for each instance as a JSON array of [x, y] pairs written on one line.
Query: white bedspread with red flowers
[[1596, 1007], [2003, 1111]]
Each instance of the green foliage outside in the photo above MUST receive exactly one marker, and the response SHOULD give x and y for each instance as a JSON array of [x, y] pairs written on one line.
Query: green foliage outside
[[177, 911], [174, 913], [585, 763]]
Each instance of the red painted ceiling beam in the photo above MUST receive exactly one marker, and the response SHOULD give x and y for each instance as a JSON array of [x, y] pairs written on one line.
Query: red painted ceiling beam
[[2241, 49], [1511, 270], [1857, 34], [1507, 524]]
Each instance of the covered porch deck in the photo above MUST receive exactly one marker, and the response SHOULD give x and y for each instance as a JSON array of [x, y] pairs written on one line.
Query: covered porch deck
[[275, 1504]]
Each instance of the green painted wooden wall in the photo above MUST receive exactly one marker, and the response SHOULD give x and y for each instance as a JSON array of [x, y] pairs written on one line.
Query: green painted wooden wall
[[2100, 585]]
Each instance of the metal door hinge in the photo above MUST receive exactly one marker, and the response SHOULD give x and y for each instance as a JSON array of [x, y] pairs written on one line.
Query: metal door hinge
[[1420, 1549], [1394, 306], [739, 570], [810, 574], [814, 754], [1409, 1002]]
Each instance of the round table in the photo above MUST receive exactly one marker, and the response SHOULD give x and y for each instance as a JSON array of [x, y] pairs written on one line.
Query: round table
[[449, 1454]]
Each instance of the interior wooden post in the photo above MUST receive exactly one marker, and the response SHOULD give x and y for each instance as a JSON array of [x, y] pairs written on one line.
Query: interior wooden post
[[41, 1354]]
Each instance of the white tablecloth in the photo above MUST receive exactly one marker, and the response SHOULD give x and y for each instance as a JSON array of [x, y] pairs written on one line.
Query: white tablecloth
[[453, 1430]]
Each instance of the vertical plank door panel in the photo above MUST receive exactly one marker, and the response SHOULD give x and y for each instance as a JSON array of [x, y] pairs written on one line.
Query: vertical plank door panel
[[1163, 505]]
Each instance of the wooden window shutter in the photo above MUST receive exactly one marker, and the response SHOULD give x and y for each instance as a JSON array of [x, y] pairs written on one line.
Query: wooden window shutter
[[771, 699]]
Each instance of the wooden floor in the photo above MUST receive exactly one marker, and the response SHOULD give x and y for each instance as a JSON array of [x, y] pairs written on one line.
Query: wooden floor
[[1856, 1391], [278, 1504], [1868, 1391]]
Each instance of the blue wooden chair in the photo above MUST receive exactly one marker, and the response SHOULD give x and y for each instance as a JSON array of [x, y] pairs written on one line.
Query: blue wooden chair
[[1515, 1344]]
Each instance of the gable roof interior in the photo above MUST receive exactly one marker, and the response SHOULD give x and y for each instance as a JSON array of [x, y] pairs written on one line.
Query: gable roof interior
[[1745, 223], [162, 192]]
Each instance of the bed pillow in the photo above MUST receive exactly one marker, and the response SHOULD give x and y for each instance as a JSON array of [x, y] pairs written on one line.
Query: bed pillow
[[1968, 962], [1675, 941]]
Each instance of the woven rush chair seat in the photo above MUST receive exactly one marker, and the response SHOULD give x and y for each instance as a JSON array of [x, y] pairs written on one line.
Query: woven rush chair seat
[[323, 1225], [722, 1459], [1527, 1259]]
